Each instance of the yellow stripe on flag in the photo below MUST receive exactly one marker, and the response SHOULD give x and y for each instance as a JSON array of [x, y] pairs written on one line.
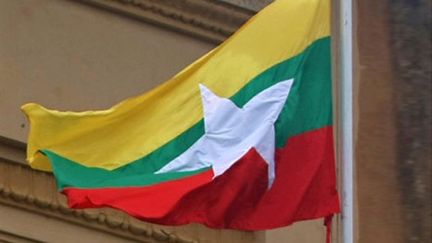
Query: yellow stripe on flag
[[137, 126]]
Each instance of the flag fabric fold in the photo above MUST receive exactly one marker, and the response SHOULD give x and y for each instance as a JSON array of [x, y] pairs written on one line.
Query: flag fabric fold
[[242, 138]]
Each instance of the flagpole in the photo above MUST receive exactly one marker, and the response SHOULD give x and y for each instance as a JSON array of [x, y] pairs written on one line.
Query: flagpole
[[346, 115]]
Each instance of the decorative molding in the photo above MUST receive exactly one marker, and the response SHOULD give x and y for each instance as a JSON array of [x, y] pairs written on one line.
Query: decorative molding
[[210, 20], [12, 150], [42, 198], [10, 237], [254, 5]]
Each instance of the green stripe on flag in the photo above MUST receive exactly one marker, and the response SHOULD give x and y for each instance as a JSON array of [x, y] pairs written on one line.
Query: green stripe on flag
[[71, 174], [308, 107]]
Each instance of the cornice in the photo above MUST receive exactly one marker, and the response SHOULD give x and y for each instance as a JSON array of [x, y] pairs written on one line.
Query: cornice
[[254, 5], [42, 198], [210, 20], [12, 150]]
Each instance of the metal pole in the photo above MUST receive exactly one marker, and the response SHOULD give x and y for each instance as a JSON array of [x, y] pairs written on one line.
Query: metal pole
[[346, 114]]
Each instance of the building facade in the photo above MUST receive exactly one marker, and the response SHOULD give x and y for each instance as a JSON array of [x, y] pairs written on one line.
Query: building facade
[[80, 55], [90, 54]]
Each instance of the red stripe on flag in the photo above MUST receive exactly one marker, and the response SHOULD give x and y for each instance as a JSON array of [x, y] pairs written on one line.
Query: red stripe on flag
[[152, 201], [304, 188]]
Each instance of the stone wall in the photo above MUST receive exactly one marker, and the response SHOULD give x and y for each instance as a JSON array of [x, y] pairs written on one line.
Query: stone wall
[[411, 54], [393, 149]]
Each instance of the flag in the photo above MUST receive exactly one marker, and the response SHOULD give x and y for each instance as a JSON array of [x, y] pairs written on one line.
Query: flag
[[242, 138]]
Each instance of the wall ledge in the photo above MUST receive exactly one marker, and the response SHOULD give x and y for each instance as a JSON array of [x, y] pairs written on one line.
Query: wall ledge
[[42, 198], [210, 20]]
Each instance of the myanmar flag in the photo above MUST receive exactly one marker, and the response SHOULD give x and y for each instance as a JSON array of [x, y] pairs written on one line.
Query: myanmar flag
[[242, 138]]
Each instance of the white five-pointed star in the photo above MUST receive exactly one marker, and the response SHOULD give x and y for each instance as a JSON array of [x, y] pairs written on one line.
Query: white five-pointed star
[[230, 131]]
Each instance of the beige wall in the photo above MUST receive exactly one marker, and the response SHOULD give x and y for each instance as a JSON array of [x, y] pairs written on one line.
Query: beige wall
[[311, 231], [394, 144], [70, 56], [379, 209]]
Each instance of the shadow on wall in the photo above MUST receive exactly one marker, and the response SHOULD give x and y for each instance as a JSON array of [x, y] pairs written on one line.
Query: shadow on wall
[[411, 56]]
